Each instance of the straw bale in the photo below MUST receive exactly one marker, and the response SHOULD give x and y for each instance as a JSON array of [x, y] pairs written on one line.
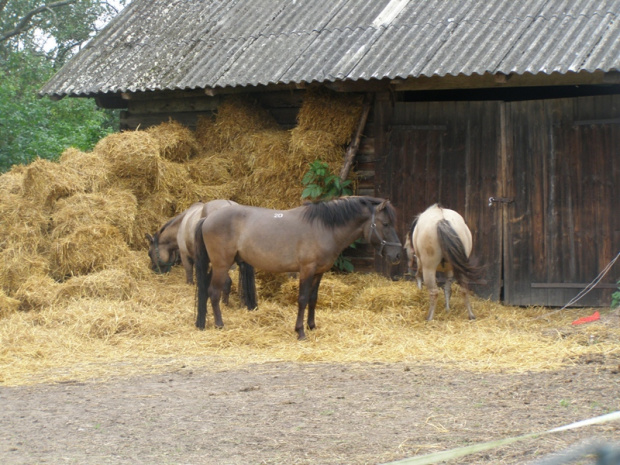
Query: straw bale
[[230, 191], [12, 182], [8, 304], [309, 145], [335, 113], [176, 142], [208, 137], [91, 167], [18, 264], [266, 148], [137, 264], [133, 158], [45, 182], [177, 184], [117, 207], [241, 163], [152, 213], [112, 284], [89, 248], [237, 116], [37, 292], [270, 285], [210, 169], [25, 223]]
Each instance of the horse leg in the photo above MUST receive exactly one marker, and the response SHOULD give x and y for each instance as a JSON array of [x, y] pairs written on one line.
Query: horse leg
[[188, 264], [418, 273], [247, 285], [431, 284], [226, 290], [470, 312], [447, 289], [218, 281], [305, 289], [314, 295]]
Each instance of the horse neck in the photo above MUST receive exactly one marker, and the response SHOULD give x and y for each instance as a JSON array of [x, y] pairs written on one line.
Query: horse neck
[[168, 235], [354, 230]]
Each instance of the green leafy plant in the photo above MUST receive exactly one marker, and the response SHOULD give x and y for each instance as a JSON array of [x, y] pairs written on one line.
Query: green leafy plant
[[322, 184], [615, 297]]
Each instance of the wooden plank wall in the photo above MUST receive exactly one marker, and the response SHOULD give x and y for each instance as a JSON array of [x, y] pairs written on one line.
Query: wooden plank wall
[[446, 153], [145, 110], [564, 224]]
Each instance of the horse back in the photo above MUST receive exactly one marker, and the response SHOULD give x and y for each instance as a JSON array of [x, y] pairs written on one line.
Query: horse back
[[193, 215], [185, 232], [271, 240], [425, 235]]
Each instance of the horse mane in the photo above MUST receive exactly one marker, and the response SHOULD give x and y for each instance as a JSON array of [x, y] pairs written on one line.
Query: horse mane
[[339, 212], [171, 222]]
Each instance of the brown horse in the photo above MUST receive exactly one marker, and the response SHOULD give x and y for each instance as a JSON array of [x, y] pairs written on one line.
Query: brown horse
[[176, 239], [306, 239], [439, 238]]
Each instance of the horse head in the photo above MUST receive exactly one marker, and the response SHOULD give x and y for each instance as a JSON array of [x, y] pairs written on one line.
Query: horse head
[[162, 257], [382, 232]]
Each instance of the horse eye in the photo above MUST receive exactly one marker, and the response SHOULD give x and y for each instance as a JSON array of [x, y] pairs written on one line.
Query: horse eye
[[385, 225]]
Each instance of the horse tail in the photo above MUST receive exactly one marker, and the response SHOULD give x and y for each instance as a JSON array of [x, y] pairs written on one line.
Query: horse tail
[[203, 275], [247, 283], [409, 246], [465, 268]]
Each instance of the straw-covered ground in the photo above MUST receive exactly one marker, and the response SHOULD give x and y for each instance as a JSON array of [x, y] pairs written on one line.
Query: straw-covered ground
[[100, 361]]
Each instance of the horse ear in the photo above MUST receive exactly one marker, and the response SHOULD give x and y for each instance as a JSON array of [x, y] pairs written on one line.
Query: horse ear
[[382, 205], [149, 237]]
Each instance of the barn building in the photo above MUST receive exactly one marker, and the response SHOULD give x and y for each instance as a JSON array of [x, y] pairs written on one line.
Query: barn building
[[508, 112]]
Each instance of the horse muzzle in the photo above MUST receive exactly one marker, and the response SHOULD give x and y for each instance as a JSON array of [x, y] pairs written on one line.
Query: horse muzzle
[[391, 251], [395, 260]]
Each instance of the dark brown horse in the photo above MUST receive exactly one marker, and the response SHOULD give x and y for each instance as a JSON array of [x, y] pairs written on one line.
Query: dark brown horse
[[175, 240], [306, 239], [439, 238]]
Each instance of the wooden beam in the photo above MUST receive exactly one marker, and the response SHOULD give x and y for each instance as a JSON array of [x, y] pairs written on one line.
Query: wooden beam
[[571, 286], [355, 141]]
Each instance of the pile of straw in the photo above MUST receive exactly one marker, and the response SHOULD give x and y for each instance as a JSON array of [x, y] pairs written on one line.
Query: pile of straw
[[85, 215], [78, 298]]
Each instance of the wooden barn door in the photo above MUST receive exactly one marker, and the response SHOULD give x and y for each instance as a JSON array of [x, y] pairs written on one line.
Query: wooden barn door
[[552, 169], [563, 173], [445, 153]]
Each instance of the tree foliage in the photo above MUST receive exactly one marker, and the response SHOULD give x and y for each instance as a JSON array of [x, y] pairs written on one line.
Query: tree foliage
[[36, 39]]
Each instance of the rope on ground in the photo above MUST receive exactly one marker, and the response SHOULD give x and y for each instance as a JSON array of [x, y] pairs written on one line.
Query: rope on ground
[[437, 457], [586, 290]]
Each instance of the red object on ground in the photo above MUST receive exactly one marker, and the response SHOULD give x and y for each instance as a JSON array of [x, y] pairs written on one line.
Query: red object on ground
[[587, 319]]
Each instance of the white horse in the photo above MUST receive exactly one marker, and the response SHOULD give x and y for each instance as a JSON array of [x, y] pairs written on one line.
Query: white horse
[[439, 238]]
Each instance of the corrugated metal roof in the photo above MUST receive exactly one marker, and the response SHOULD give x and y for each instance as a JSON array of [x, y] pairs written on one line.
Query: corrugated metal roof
[[196, 44]]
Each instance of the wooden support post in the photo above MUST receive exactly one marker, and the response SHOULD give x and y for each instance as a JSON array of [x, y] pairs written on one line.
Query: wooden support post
[[355, 141]]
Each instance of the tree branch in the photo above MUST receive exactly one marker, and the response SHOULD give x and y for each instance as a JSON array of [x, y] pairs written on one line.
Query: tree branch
[[26, 22]]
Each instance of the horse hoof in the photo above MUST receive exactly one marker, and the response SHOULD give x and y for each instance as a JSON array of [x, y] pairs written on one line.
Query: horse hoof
[[201, 328]]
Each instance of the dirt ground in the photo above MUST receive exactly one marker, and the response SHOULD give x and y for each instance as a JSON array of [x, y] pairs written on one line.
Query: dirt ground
[[288, 413]]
